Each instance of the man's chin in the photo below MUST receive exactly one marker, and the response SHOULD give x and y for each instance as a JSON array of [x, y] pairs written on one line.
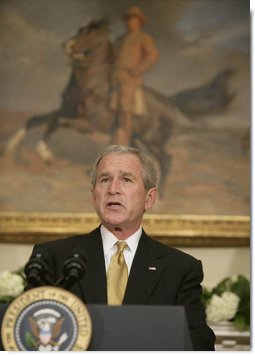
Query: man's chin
[[113, 222]]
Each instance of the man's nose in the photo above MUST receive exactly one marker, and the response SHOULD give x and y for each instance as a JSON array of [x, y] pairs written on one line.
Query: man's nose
[[114, 186]]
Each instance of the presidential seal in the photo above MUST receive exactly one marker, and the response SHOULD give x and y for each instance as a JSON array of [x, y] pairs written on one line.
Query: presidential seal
[[46, 319]]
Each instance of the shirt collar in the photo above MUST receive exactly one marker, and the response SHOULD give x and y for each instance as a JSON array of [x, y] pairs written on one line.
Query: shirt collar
[[109, 239]]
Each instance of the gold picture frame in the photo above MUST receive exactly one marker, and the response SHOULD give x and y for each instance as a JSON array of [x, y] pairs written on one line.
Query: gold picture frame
[[172, 230]]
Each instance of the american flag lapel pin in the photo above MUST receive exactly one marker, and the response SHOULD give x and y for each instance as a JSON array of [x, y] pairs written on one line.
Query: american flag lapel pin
[[152, 268]]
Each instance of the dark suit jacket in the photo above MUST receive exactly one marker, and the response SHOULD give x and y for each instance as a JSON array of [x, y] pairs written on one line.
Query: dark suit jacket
[[176, 280]]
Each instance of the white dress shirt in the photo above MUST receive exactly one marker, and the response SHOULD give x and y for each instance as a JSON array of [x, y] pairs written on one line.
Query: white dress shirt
[[109, 241]]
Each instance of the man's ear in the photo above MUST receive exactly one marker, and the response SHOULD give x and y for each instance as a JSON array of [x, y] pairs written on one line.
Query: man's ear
[[151, 197], [93, 200]]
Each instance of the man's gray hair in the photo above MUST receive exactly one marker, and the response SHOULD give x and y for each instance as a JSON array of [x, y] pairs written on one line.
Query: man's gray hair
[[149, 168]]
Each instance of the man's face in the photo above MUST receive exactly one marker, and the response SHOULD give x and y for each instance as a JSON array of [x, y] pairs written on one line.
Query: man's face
[[133, 23], [119, 196]]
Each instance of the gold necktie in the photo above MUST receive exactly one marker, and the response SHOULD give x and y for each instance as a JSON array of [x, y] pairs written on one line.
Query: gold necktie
[[117, 276]]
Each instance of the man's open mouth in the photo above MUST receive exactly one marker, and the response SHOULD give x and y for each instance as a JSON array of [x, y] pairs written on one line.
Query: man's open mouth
[[113, 204]]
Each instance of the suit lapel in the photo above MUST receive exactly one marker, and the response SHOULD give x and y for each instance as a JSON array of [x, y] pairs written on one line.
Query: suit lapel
[[146, 269], [93, 284]]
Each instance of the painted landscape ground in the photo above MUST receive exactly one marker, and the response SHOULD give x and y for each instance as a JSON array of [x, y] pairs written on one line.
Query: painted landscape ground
[[209, 171]]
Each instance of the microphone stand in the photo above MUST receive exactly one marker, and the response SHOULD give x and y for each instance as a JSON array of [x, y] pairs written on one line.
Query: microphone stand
[[37, 273], [74, 269]]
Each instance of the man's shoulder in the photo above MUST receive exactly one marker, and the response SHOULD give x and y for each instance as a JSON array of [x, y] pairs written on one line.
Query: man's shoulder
[[170, 252], [141, 35], [70, 241]]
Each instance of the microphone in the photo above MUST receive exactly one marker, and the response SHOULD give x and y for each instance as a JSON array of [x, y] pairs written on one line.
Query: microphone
[[36, 270], [74, 269]]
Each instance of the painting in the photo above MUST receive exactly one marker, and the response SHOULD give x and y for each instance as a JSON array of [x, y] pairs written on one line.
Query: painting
[[197, 127]]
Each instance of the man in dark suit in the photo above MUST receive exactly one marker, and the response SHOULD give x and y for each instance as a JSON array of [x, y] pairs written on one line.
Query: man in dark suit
[[124, 186]]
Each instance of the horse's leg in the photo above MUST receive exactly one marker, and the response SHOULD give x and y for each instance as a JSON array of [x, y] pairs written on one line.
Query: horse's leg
[[165, 158], [44, 152], [15, 140], [165, 165], [42, 146], [19, 135], [161, 158], [153, 142]]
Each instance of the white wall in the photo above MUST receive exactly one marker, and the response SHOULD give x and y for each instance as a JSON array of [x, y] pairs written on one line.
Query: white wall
[[218, 263], [13, 256]]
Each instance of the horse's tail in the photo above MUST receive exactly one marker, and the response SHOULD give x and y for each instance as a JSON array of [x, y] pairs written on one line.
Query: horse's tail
[[209, 98]]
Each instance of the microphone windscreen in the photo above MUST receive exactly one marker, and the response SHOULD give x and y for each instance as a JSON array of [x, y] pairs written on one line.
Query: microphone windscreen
[[75, 266]]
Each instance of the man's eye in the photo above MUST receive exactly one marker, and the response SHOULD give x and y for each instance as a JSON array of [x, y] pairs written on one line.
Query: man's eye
[[104, 180], [127, 179]]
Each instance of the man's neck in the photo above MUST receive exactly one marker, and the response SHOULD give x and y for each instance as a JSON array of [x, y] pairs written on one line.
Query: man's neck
[[132, 30]]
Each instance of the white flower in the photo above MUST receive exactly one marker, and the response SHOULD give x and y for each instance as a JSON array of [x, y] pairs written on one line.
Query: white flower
[[11, 284], [221, 308]]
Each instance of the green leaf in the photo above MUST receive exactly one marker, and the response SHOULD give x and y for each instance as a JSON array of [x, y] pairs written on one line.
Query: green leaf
[[30, 341], [242, 287], [241, 323], [206, 295], [223, 286], [6, 299]]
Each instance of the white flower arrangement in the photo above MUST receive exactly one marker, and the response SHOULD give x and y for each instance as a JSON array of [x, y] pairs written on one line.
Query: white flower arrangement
[[221, 308], [11, 285], [229, 300]]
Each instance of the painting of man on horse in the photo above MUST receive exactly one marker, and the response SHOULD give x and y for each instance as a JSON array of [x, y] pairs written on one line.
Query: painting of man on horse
[[86, 102], [174, 105]]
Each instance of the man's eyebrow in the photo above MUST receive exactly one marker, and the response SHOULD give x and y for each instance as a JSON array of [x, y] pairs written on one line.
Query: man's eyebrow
[[103, 174], [122, 173], [128, 174]]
